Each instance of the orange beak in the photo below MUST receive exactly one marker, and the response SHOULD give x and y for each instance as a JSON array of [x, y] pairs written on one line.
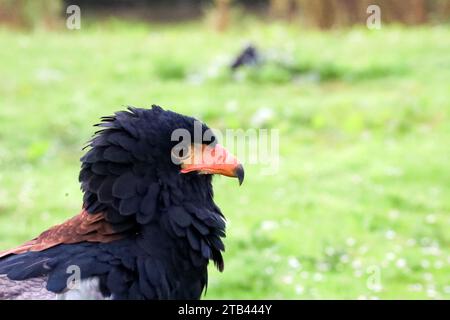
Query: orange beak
[[213, 160]]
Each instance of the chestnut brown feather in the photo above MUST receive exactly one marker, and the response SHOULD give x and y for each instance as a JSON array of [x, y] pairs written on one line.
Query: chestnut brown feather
[[82, 227]]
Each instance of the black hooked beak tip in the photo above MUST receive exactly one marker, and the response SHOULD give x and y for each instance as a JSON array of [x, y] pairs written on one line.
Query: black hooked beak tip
[[239, 173]]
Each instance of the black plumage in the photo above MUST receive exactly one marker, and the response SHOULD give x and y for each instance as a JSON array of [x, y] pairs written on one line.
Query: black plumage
[[247, 57], [171, 223]]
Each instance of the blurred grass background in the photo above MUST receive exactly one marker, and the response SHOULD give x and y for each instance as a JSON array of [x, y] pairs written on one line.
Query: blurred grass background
[[364, 179]]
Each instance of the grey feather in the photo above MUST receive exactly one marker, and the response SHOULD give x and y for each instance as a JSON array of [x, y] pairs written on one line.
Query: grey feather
[[31, 289], [35, 289]]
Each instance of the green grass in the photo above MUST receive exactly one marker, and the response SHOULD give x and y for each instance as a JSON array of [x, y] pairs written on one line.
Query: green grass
[[363, 116]]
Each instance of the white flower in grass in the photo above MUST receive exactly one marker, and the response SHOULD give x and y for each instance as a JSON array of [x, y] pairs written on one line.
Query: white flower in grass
[[231, 106], [433, 250], [425, 264], [262, 116], [318, 277], [195, 79], [269, 225], [212, 71], [358, 273], [287, 279], [416, 287], [304, 275], [350, 242], [294, 263], [357, 264], [377, 287], [299, 289], [430, 219], [329, 251], [390, 256], [323, 267], [394, 172], [438, 264], [356, 179], [344, 258], [431, 293], [428, 277], [48, 75], [363, 249], [45, 215], [401, 263], [393, 214], [390, 234]]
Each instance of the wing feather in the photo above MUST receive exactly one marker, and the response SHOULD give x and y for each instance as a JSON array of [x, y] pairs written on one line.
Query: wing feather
[[83, 227]]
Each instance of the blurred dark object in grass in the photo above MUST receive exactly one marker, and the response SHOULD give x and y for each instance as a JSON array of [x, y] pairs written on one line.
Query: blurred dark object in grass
[[247, 57], [281, 66]]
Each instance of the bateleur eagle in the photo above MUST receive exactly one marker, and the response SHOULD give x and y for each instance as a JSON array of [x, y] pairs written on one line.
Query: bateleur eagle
[[148, 225]]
